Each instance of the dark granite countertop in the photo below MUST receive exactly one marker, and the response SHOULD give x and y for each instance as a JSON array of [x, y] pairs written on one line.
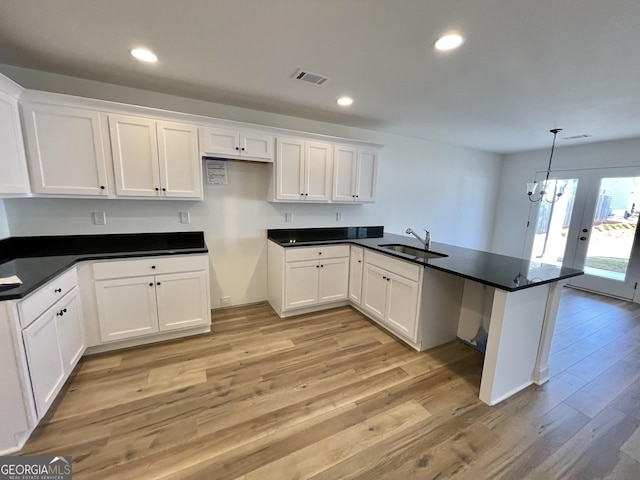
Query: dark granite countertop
[[499, 271], [36, 260]]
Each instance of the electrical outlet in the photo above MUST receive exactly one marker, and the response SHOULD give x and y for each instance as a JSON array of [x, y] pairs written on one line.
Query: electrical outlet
[[288, 217], [338, 216], [185, 217], [225, 301], [99, 218]]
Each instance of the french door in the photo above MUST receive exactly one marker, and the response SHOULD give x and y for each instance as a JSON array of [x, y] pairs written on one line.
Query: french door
[[591, 227]]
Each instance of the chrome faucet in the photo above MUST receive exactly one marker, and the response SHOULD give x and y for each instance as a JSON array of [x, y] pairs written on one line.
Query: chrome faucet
[[426, 241]]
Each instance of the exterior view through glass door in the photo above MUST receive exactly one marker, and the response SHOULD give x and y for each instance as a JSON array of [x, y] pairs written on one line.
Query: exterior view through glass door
[[592, 227]]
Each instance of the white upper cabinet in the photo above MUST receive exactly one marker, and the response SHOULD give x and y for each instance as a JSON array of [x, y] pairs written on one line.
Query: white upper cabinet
[[354, 174], [303, 170], [134, 145], [14, 178], [237, 144], [155, 158], [366, 175], [65, 150], [179, 160], [318, 170], [289, 169]]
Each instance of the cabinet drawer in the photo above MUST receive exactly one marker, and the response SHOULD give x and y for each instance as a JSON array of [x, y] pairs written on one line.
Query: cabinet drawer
[[399, 267], [315, 253], [37, 302], [148, 266]]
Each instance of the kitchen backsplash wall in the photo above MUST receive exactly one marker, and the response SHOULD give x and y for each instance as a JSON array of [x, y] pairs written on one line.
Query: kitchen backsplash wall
[[423, 184]]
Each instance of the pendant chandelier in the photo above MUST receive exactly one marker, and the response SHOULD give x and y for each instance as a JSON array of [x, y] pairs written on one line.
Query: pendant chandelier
[[531, 186]]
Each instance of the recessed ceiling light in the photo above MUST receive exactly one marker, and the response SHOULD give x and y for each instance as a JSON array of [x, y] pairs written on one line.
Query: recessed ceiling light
[[144, 55], [345, 101], [449, 42]]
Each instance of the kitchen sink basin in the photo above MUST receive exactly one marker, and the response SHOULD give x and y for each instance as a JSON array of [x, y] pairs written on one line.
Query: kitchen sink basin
[[414, 252]]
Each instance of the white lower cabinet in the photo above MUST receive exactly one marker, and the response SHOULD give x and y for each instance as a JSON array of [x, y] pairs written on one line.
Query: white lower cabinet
[[127, 307], [301, 284], [356, 264], [45, 360], [53, 342], [133, 302], [307, 277], [316, 281], [182, 300], [392, 300], [419, 305]]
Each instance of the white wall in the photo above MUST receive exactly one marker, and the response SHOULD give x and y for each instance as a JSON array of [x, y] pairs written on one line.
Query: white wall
[[450, 190], [4, 224], [513, 207]]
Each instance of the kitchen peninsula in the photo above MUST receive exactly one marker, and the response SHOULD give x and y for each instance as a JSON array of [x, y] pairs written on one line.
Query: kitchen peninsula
[[425, 301]]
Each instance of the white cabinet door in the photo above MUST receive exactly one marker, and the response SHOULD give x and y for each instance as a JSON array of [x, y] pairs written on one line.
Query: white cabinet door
[[65, 150], [290, 167], [257, 145], [374, 291], [46, 368], [70, 331], [230, 143], [366, 175], [221, 141], [13, 164], [135, 156], [402, 305], [180, 166], [318, 171], [182, 300], [126, 307], [301, 284], [333, 280], [345, 159], [355, 275]]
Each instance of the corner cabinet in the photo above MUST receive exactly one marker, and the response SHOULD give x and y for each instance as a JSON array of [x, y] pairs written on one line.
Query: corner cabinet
[[14, 178], [237, 144], [354, 174], [356, 264], [141, 297], [419, 305], [305, 277], [154, 158]]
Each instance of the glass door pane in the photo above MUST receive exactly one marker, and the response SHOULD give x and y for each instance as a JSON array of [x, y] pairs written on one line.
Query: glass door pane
[[553, 222], [608, 254]]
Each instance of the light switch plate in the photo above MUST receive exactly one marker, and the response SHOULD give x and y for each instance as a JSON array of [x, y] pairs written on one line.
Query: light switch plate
[[99, 218], [185, 217], [288, 217]]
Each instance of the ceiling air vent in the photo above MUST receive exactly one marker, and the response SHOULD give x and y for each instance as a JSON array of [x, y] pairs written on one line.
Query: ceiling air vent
[[310, 77]]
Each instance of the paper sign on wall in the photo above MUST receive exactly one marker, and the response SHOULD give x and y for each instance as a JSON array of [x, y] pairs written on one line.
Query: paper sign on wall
[[216, 172]]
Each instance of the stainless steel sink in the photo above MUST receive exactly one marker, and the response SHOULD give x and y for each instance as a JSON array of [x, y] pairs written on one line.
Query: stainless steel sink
[[414, 252]]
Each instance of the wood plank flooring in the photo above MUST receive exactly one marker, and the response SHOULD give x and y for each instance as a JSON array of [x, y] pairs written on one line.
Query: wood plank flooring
[[331, 396]]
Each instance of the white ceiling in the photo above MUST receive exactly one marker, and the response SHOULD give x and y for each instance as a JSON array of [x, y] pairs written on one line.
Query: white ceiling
[[526, 66]]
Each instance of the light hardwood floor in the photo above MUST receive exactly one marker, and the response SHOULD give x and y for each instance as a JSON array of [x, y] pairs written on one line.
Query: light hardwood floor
[[331, 396]]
